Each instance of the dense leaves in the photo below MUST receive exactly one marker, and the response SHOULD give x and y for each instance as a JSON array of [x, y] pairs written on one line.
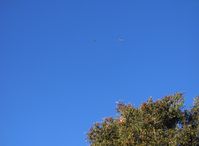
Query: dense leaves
[[160, 123]]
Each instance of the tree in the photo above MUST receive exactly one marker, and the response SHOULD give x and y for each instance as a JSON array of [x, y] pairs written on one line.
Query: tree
[[164, 122]]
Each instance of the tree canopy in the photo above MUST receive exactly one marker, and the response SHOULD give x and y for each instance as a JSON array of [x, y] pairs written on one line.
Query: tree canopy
[[164, 122]]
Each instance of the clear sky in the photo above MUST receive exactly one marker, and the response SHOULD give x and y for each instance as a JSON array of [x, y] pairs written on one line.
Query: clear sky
[[64, 63]]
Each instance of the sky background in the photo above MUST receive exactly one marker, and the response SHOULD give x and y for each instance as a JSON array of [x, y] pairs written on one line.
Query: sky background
[[65, 63]]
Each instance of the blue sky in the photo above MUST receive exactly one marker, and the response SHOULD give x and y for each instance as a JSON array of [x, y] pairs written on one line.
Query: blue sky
[[65, 63]]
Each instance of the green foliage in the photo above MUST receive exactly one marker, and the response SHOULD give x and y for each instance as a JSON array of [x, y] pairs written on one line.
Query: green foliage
[[159, 123]]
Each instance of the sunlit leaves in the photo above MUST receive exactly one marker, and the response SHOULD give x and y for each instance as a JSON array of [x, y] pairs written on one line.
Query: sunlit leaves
[[161, 122]]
